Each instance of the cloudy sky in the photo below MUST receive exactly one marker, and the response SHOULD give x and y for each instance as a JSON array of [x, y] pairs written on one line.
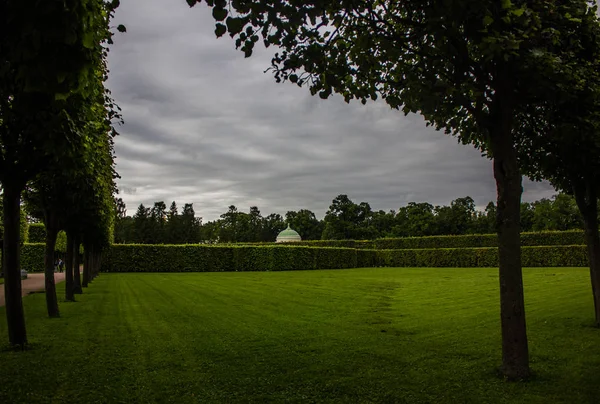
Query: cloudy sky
[[206, 126]]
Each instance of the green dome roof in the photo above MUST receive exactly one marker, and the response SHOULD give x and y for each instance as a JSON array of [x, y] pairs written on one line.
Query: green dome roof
[[288, 235]]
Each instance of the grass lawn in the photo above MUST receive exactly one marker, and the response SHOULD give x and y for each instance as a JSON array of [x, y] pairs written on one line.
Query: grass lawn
[[390, 335]]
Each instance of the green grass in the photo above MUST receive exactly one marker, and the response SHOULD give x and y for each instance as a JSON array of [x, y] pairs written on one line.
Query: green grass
[[389, 335]]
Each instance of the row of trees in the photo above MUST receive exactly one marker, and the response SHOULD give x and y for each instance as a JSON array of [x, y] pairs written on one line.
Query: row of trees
[[157, 225], [56, 148], [344, 220], [519, 80]]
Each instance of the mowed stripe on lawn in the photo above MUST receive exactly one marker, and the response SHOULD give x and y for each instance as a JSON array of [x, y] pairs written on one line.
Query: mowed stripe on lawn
[[360, 335]]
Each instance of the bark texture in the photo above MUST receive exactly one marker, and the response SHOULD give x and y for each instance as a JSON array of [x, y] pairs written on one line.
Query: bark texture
[[515, 350], [15, 316]]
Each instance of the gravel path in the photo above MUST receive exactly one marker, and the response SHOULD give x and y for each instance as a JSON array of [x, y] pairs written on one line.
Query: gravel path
[[33, 283]]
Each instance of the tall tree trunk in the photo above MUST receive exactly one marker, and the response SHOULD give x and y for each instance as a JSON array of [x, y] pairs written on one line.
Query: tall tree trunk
[[69, 296], [15, 316], [587, 201], [515, 351], [76, 262], [51, 233], [86, 265]]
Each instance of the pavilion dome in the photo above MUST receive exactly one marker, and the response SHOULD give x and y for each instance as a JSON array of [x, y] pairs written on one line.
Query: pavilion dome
[[288, 235]]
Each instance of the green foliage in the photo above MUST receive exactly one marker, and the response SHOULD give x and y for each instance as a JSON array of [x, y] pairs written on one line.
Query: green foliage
[[559, 213], [414, 253], [32, 257], [411, 220], [346, 220], [202, 258], [326, 243], [540, 256], [305, 223], [37, 233], [548, 238], [24, 225], [367, 258]]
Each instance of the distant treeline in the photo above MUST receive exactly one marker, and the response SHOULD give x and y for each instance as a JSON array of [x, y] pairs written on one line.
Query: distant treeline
[[344, 220]]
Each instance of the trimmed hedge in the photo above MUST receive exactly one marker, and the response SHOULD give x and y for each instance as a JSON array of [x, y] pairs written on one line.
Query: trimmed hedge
[[367, 258], [546, 238], [202, 258], [311, 243], [534, 256], [32, 257], [37, 233]]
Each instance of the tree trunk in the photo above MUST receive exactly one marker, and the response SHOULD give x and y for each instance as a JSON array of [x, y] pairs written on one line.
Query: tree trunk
[[515, 352], [69, 296], [51, 233], [86, 266], [15, 316], [587, 202], [76, 262]]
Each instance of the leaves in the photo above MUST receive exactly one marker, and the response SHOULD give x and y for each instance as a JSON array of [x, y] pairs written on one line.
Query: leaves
[[220, 30], [234, 25], [219, 14]]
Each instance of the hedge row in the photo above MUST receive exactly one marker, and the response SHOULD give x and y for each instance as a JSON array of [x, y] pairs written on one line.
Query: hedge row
[[200, 258], [37, 234], [534, 256], [546, 238], [32, 257], [197, 258]]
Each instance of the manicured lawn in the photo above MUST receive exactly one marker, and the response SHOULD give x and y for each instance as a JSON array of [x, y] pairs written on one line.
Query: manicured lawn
[[390, 335]]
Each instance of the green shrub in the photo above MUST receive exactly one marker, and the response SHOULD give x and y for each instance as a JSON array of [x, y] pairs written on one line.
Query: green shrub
[[202, 258], [37, 233], [547, 238], [324, 243], [367, 258], [32, 257], [534, 256], [555, 256], [335, 258]]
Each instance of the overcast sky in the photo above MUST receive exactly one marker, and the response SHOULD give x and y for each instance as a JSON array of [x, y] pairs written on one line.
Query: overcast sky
[[204, 125]]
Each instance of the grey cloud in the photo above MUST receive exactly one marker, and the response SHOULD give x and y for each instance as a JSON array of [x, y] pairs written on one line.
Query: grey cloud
[[205, 125]]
